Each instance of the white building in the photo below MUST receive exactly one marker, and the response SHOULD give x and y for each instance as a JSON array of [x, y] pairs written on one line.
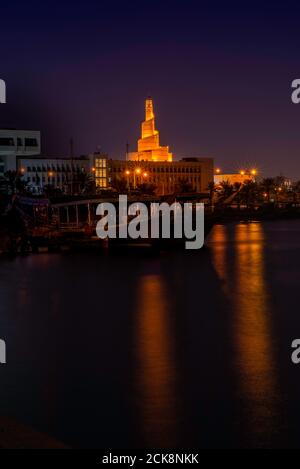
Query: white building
[[60, 173], [17, 143]]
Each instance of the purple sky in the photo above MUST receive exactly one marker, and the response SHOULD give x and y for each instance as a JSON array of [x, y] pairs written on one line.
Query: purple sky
[[219, 75]]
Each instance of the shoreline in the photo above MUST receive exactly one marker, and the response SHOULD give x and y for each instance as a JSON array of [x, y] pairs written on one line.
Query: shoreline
[[217, 217]]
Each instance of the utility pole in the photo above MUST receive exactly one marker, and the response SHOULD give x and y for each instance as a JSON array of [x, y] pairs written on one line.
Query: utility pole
[[72, 157]]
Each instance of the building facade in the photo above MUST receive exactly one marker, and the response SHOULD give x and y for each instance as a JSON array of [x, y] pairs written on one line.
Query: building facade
[[60, 173], [15, 144], [235, 178], [153, 165], [167, 178]]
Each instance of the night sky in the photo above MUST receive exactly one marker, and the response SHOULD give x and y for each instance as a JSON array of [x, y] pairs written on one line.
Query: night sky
[[220, 76]]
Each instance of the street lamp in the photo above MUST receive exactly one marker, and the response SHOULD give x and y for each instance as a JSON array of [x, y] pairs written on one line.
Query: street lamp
[[50, 175], [137, 171], [127, 172]]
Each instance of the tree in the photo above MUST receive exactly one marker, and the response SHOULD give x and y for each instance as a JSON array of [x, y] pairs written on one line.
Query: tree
[[86, 182], [15, 182], [268, 186], [237, 186], [295, 191], [51, 191], [119, 183], [226, 189], [147, 188], [212, 189], [249, 193], [184, 186]]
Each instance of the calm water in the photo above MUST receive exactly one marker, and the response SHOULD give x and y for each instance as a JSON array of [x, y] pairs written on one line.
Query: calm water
[[189, 349]]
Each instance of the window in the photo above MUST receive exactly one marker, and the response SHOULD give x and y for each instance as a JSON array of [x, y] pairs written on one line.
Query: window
[[19, 142], [31, 142], [7, 142], [101, 172]]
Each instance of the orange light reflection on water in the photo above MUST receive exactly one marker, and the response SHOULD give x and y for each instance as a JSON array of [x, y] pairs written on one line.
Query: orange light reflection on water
[[247, 291], [156, 364]]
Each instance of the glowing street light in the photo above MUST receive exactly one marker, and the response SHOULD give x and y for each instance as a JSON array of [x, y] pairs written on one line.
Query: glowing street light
[[242, 172], [137, 171], [253, 172], [218, 170], [145, 174]]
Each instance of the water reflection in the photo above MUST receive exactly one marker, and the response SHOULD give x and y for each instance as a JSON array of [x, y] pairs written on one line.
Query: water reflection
[[156, 363], [247, 290]]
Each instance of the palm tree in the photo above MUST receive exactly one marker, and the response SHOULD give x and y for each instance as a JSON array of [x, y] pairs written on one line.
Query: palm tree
[[295, 191], [237, 188], [226, 189], [249, 192], [268, 186], [120, 184], [184, 186], [86, 183], [212, 189], [147, 188], [15, 182]]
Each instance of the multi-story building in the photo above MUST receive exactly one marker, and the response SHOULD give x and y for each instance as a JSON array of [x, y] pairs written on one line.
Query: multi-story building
[[166, 178], [15, 144], [61, 173], [235, 178], [101, 171], [153, 164]]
